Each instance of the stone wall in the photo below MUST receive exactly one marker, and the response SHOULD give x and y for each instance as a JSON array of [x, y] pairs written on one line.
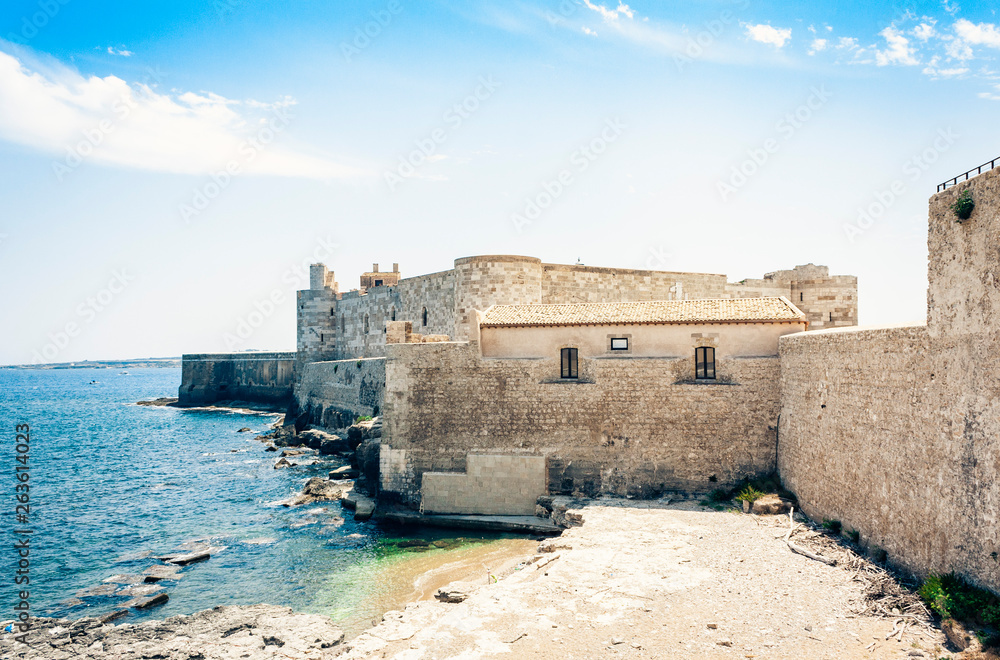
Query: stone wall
[[896, 431], [335, 393], [631, 426], [562, 284], [492, 484], [251, 377]]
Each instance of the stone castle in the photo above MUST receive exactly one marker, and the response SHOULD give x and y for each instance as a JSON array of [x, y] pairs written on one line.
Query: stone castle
[[506, 378]]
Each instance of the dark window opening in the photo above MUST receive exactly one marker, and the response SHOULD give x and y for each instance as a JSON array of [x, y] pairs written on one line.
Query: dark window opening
[[425, 316], [393, 313], [570, 363], [378, 282], [619, 343], [704, 363], [321, 337], [366, 324], [343, 323], [331, 311], [800, 296], [831, 316]]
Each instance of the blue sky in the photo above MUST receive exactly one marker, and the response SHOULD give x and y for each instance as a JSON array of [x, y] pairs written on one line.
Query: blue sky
[[168, 171]]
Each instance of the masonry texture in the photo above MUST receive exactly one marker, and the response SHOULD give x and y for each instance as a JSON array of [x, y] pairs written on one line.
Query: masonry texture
[[629, 426], [896, 431], [255, 377], [335, 393], [492, 484]]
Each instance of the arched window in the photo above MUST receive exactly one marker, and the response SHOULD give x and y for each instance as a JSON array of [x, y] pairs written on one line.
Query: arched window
[[366, 324], [425, 316], [569, 363], [704, 363]]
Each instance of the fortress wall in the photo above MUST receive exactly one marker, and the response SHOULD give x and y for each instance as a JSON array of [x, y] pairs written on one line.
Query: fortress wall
[[759, 289], [562, 284], [896, 431], [483, 281], [252, 377], [436, 292], [828, 302], [316, 334], [634, 427], [349, 317], [335, 393]]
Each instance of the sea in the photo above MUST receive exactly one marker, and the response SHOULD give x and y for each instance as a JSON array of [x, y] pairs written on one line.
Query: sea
[[113, 485]]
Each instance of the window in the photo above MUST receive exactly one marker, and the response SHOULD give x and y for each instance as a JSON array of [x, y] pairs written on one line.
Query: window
[[331, 311], [425, 316], [619, 343], [800, 296], [343, 324], [366, 324], [393, 313], [378, 282], [321, 337], [831, 316], [570, 363], [704, 363]]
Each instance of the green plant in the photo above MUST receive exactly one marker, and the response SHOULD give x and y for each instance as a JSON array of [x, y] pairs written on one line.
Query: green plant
[[833, 525], [363, 418], [719, 495], [335, 368], [855, 536], [952, 597], [750, 494], [963, 205], [359, 364]]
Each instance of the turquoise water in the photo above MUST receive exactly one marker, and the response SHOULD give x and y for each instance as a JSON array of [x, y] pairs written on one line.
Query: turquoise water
[[113, 483]]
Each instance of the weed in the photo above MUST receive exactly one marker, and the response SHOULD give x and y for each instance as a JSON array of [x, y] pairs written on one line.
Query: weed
[[855, 536], [359, 364], [963, 205], [720, 495], [833, 525], [952, 597], [750, 494], [363, 418], [335, 368]]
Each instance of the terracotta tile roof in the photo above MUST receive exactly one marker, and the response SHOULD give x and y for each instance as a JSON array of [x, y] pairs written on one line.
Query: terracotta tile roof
[[656, 311]]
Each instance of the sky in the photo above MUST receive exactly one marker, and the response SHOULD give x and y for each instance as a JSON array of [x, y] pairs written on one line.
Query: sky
[[169, 170]]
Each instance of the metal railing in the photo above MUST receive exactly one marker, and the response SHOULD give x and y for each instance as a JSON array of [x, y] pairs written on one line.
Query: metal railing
[[985, 167]]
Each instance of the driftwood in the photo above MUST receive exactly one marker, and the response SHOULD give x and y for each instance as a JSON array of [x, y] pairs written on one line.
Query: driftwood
[[800, 550]]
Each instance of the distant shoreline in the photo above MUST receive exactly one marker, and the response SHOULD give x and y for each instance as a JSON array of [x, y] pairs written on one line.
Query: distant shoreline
[[102, 364]]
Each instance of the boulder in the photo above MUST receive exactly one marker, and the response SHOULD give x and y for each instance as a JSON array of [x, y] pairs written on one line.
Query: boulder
[[334, 445], [326, 443], [245, 429], [451, 595], [345, 472], [282, 463], [958, 635], [771, 505], [319, 489], [190, 558], [363, 507], [145, 602]]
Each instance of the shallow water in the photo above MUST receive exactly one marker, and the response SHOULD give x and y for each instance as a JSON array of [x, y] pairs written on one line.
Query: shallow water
[[115, 484]]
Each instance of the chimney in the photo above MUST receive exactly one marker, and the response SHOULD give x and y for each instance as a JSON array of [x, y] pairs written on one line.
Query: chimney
[[374, 268], [395, 268]]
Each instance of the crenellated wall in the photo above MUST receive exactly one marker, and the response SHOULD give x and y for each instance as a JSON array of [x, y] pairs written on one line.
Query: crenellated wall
[[251, 377], [896, 431]]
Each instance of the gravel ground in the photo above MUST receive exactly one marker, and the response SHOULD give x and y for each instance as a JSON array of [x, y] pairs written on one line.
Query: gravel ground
[[653, 580]]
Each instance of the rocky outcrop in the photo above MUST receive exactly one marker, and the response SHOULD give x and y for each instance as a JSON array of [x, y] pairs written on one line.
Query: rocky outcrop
[[256, 632], [319, 489]]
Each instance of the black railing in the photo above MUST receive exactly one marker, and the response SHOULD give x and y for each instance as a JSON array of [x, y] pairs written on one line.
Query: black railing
[[985, 167]]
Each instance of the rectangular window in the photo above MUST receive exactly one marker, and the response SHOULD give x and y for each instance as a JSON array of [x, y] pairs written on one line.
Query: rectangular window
[[378, 282], [704, 363], [570, 363], [619, 343]]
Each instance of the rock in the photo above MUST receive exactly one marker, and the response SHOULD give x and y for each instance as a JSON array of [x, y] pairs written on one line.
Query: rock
[[144, 603], [541, 511], [245, 429], [959, 637], [282, 463], [724, 642], [326, 443], [551, 545], [559, 505], [111, 616], [138, 590], [292, 452], [335, 445], [123, 579], [190, 558], [713, 626], [270, 448], [98, 590], [450, 595], [770, 505], [319, 489], [157, 573], [345, 472], [363, 507]]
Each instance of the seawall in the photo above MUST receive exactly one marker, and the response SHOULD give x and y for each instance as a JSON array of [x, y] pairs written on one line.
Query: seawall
[[335, 393], [253, 377]]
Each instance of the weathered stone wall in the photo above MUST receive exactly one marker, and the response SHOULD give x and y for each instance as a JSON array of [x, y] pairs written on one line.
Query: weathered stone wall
[[629, 426], [492, 484], [251, 377], [335, 393], [896, 431], [562, 284], [481, 282]]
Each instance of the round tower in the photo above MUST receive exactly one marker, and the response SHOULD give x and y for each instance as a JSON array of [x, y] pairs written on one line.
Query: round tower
[[493, 280]]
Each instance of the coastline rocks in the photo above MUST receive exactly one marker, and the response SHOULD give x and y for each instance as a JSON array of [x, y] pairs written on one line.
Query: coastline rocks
[[245, 429], [363, 507], [325, 443], [345, 472], [451, 595], [256, 632], [282, 463], [190, 558], [319, 489]]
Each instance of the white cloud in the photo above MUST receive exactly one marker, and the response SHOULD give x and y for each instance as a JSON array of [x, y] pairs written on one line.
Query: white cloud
[[119, 51], [951, 9], [958, 49], [56, 109], [934, 70], [766, 34], [817, 46], [847, 43], [611, 14], [898, 51], [924, 31], [991, 96], [984, 34], [587, 30]]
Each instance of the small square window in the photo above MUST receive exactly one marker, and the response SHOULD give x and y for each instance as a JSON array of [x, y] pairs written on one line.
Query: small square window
[[619, 343]]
